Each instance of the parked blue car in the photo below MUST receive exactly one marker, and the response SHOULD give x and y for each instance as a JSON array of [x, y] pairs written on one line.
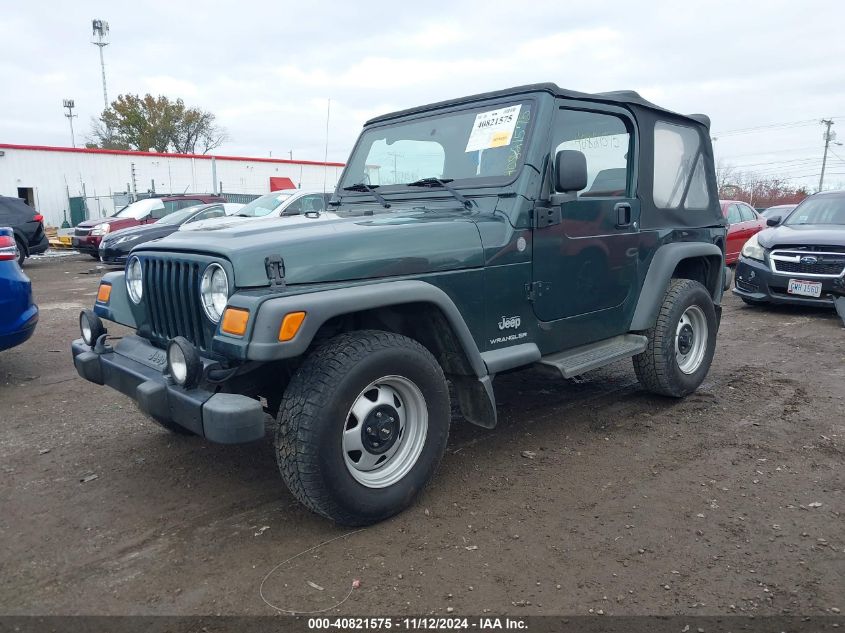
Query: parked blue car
[[18, 314]]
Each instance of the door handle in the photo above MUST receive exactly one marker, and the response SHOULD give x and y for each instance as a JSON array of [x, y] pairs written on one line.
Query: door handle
[[623, 215]]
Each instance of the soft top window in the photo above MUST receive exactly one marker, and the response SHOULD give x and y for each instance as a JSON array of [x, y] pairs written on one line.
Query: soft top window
[[679, 175]]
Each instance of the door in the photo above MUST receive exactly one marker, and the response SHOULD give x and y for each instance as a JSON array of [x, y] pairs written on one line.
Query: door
[[752, 221], [586, 259], [736, 231]]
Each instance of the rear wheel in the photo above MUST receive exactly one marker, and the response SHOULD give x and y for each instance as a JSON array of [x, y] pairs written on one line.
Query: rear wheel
[[21, 252], [363, 425], [682, 342]]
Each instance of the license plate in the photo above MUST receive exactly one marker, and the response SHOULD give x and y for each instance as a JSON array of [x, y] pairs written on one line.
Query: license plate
[[805, 288]]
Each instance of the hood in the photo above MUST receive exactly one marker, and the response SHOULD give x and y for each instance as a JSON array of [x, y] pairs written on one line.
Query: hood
[[141, 232], [330, 248], [114, 222], [214, 223], [803, 235]]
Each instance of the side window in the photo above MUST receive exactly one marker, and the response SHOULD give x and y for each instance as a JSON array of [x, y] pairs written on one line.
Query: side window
[[214, 212], [748, 214], [676, 150], [313, 204], [172, 205], [698, 197], [734, 215], [157, 213], [605, 142], [294, 208]]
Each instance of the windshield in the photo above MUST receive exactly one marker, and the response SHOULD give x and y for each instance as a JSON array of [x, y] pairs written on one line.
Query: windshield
[[824, 210], [177, 217], [265, 205], [139, 209], [481, 142]]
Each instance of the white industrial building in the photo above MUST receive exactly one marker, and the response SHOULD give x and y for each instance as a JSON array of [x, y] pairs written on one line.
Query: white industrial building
[[53, 179]]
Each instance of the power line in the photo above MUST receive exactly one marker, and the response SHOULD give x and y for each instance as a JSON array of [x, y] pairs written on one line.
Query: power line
[[774, 151], [771, 126]]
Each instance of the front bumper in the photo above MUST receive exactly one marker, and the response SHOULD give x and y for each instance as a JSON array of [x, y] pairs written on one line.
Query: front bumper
[[111, 255], [89, 244], [755, 281], [136, 368]]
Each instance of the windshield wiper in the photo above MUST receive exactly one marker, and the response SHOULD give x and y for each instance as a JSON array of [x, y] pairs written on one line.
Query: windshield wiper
[[365, 188], [443, 183]]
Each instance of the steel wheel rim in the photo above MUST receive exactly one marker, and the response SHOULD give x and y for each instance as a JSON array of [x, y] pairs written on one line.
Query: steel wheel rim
[[691, 339], [370, 456]]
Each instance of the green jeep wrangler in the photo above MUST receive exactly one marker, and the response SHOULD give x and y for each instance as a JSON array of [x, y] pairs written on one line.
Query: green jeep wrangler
[[466, 238]]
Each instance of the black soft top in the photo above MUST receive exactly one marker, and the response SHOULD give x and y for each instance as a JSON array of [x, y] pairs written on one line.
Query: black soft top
[[623, 97]]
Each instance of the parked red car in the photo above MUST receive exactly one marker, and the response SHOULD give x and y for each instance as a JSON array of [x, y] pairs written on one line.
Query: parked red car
[[86, 238], [743, 222]]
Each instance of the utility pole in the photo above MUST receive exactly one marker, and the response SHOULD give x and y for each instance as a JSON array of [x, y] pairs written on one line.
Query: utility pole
[[828, 137], [70, 105], [101, 30]]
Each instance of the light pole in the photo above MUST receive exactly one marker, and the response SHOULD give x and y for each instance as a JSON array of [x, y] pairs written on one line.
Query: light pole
[[70, 105], [100, 29]]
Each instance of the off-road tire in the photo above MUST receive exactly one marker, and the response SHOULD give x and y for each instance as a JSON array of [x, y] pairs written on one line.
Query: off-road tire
[[21, 252], [313, 415], [657, 368]]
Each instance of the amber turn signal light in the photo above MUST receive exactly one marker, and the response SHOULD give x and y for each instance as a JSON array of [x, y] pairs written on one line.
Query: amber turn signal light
[[234, 321], [290, 325], [104, 293]]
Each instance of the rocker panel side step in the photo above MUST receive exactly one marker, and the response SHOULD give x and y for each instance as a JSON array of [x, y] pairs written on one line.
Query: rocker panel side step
[[579, 360]]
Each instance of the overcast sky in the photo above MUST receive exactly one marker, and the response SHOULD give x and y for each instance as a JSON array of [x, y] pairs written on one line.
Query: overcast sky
[[266, 69]]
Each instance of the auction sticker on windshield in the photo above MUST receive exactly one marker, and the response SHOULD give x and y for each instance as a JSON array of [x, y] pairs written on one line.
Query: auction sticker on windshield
[[493, 128], [806, 288]]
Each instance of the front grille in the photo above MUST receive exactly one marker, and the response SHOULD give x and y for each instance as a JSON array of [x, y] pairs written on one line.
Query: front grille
[[815, 263], [81, 232], [171, 293]]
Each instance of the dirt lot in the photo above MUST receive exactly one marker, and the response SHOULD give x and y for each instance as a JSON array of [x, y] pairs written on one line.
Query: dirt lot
[[730, 501]]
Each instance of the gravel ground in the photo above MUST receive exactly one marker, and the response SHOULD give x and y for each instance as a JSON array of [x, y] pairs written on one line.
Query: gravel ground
[[591, 496]]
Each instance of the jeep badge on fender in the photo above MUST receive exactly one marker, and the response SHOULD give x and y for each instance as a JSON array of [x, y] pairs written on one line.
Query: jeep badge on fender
[[522, 226]]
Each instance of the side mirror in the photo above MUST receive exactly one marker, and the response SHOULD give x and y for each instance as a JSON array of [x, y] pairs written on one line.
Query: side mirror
[[773, 221], [570, 171]]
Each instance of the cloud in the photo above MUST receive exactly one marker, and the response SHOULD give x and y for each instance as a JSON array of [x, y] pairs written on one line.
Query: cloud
[[266, 69]]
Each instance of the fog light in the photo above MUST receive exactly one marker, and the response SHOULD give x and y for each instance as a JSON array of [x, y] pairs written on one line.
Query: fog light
[[183, 362], [91, 327]]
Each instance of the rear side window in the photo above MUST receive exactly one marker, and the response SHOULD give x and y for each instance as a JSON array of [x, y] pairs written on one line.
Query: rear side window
[[747, 213], [679, 174]]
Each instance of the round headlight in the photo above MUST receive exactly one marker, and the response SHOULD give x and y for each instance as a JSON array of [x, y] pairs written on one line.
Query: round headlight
[[134, 279], [183, 362], [214, 291]]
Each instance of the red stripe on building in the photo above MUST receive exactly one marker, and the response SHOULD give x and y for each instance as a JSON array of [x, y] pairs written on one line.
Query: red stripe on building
[[124, 152]]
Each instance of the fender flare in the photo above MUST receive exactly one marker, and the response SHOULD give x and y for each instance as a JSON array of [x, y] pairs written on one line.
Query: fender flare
[[659, 274], [118, 309], [322, 305]]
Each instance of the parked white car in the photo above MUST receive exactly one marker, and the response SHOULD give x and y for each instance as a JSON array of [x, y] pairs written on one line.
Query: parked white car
[[289, 202]]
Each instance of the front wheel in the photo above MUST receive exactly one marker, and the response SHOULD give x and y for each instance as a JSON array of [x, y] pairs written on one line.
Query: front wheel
[[363, 425], [682, 342]]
